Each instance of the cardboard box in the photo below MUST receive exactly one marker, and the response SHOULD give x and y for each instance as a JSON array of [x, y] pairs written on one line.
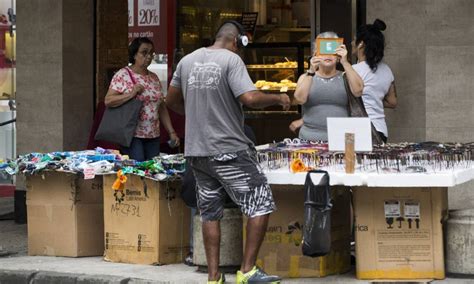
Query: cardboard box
[[281, 254], [147, 224], [399, 232], [65, 215]]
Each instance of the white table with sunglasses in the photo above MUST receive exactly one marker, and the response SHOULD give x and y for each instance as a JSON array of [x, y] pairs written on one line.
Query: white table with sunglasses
[[415, 176]]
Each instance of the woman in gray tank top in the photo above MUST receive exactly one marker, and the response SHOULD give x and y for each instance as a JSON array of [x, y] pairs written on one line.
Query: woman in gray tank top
[[322, 93]]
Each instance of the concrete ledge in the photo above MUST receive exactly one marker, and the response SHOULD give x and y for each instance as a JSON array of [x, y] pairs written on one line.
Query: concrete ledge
[[16, 277], [47, 277], [50, 277], [101, 279]]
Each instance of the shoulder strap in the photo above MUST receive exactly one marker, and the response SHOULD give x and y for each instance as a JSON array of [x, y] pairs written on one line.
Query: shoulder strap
[[348, 93], [131, 75], [346, 84]]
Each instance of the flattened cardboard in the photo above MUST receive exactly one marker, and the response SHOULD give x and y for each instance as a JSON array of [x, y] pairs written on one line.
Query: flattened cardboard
[[65, 215], [391, 247], [149, 226], [280, 253]]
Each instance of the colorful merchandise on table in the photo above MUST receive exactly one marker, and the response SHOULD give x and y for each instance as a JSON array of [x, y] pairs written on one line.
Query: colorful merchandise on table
[[99, 161]]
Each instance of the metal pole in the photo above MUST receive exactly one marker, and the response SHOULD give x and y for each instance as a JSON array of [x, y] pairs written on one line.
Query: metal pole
[[318, 17], [13, 95], [312, 18], [354, 27], [315, 19]]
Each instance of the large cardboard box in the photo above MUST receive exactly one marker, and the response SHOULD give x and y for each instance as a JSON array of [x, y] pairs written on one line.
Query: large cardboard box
[[399, 232], [65, 215], [281, 254], [147, 224]]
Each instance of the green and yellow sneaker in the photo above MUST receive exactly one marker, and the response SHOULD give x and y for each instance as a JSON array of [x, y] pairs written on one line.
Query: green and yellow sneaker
[[220, 281], [256, 275]]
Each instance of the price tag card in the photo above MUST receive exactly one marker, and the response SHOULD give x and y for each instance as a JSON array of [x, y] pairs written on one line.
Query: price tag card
[[148, 13], [412, 210], [392, 209], [89, 173]]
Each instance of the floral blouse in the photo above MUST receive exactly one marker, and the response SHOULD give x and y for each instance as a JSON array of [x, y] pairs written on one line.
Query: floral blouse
[[148, 122]]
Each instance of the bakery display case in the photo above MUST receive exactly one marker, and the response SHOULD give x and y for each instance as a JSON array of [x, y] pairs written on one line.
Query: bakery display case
[[275, 68], [275, 58]]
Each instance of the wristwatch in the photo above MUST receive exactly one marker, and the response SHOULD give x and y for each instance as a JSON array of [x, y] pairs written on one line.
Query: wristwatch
[[309, 73]]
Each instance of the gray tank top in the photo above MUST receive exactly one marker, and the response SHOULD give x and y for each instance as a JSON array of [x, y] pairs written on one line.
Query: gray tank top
[[327, 98]]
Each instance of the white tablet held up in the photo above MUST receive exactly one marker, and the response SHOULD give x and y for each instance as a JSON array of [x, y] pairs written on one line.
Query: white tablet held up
[[339, 126]]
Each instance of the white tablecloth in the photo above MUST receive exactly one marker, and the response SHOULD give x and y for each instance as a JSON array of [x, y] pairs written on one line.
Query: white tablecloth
[[447, 178]]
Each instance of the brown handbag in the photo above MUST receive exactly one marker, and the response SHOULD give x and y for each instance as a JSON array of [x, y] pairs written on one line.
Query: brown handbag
[[356, 108]]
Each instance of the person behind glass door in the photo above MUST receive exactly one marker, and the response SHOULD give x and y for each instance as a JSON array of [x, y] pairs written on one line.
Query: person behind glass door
[[147, 88], [379, 85], [322, 93]]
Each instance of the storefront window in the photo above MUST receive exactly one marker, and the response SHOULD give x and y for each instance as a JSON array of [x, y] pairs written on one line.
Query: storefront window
[[198, 20], [280, 43], [7, 79]]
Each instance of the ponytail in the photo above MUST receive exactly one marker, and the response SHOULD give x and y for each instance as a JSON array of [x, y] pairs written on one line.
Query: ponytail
[[374, 41]]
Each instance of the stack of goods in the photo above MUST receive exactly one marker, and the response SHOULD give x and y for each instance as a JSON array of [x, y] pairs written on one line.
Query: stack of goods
[[98, 161], [285, 64], [160, 168], [282, 86], [300, 155], [7, 168]]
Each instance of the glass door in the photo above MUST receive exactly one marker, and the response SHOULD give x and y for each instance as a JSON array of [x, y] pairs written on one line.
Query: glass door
[[7, 80]]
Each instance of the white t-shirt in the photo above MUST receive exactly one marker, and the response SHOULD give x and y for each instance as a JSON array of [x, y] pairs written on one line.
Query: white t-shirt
[[376, 86]]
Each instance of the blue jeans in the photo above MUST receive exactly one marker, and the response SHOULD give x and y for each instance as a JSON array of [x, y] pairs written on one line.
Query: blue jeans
[[142, 149]]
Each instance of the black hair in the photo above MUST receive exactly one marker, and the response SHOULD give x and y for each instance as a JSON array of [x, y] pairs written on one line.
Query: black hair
[[374, 40], [135, 45], [228, 30]]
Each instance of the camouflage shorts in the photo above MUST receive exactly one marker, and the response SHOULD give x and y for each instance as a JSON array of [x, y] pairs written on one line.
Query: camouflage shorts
[[238, 174]]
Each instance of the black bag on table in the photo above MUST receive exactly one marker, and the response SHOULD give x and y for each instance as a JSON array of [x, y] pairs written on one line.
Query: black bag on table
[[317, 216]]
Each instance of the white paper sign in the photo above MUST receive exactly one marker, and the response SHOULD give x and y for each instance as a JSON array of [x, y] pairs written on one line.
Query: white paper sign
[[148, 13], [392, 209], [131, 12], [339, 126], [89, 173], [412, 210]]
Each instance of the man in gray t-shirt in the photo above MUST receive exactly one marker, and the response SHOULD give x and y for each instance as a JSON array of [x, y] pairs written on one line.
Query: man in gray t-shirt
[[211, 81], [210, 86]]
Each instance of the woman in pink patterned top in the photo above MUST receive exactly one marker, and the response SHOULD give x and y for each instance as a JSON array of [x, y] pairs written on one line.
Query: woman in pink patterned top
[[136, 81]]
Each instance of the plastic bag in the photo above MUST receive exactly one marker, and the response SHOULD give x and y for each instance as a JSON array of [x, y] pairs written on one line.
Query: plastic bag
[[317, 216]]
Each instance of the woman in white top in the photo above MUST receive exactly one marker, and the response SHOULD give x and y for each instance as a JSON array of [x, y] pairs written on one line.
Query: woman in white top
[[379, 86]]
